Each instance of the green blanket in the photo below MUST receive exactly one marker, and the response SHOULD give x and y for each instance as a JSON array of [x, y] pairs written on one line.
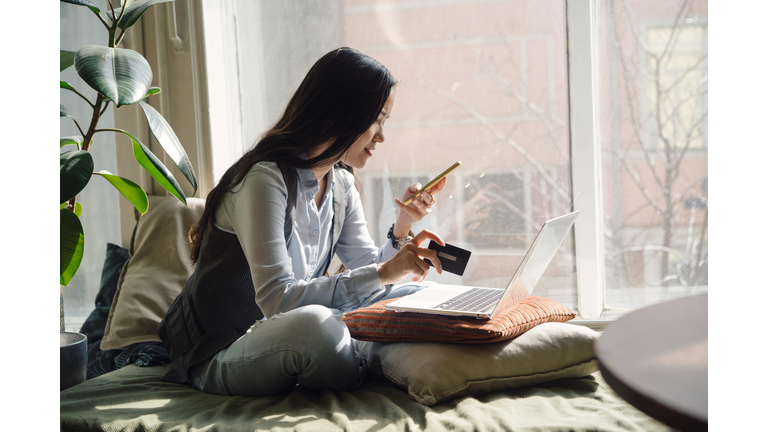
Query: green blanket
[[134, 399]]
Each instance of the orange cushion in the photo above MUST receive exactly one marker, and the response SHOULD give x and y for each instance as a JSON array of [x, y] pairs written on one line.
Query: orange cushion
[[375, 323]]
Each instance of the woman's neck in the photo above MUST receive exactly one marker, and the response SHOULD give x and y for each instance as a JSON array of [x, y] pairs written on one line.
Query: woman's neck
[[321, 172], [322, 175]]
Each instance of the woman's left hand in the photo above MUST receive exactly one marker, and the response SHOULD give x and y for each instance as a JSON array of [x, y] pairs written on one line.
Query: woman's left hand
[[420, 206]]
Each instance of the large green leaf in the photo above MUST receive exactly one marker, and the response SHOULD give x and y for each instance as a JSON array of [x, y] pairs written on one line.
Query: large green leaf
[[71, 245], [130, 190], [164, 135], [155, 168], [75, 140], [122, 75], [67, 59], [75, 169], [86, 3], [134, 11]]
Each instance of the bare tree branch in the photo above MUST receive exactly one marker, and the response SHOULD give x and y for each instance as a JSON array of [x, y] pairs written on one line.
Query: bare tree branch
[[639, 182], [631, 106]]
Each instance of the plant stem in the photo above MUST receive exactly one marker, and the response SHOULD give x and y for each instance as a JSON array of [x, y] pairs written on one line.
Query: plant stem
[[106, 104], [81, 95], [112, 41], [71, 205], [94, 121], [120, 38], [87, 137], [77, 125], [112, 9], [103, 21], [112, 36]]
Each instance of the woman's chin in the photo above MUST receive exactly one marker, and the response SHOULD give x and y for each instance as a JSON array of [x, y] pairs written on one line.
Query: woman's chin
[[357, 164]]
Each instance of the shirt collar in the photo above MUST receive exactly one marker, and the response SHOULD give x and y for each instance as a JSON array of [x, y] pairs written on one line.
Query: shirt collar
[[309, 181]]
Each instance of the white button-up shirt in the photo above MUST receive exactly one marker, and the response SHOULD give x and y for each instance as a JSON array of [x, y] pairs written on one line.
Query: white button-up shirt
[[285, 279]]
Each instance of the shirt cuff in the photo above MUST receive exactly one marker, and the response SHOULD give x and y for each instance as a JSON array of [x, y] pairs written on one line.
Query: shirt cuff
[[366, 283]]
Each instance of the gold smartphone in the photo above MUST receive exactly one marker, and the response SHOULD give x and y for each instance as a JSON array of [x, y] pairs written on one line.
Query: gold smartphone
[[432, 183]]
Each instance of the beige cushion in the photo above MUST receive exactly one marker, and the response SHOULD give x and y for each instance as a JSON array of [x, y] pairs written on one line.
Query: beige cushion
[[155, 274], [432, 373]]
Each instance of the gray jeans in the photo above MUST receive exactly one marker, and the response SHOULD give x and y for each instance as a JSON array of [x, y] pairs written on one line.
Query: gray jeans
[[309, 345]]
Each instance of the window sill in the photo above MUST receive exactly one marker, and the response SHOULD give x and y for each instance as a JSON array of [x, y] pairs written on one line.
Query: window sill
[[74, 324], [607, 317]]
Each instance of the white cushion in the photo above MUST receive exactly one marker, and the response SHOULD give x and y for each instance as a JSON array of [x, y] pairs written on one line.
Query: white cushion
[[432, 373]]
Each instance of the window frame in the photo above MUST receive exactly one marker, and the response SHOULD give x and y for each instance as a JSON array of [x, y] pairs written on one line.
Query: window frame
[[586, 176]]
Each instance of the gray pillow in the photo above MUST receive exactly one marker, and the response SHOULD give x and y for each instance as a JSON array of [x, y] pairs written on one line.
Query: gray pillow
[[433, 373]]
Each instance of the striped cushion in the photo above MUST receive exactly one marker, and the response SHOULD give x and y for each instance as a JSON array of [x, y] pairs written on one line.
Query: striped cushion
[[375, 323]]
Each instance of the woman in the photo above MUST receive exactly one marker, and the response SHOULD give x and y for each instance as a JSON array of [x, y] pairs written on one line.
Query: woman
[[258, 314]]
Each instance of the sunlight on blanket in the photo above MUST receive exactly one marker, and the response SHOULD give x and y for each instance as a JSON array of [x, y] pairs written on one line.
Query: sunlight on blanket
[[152, 403], [288, 418]]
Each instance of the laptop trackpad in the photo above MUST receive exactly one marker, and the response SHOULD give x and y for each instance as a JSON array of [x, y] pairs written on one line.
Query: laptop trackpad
[[428, 298]]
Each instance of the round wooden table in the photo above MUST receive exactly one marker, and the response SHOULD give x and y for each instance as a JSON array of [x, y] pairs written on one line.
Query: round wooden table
[[656, 359]]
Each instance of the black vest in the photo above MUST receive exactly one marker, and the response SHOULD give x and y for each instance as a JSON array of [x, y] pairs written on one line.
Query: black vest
[[217, 304]]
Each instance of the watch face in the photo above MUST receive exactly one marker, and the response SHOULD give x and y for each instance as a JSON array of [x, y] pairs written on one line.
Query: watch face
[[403, 241]]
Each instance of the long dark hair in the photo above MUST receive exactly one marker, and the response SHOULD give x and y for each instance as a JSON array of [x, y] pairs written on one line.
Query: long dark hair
[[339, 99]]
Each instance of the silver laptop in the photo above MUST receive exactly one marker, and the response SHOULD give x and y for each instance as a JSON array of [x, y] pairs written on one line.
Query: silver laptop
[[483, 302]]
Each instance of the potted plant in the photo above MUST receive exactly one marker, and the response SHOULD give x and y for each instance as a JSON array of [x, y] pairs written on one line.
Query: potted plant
[[120, 77]]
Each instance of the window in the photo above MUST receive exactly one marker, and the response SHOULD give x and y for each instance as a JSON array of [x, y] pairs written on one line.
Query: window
[[500, 86], [653, 115]]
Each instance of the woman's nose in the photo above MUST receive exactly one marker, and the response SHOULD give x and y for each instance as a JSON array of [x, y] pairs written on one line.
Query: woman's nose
[[379, 136]]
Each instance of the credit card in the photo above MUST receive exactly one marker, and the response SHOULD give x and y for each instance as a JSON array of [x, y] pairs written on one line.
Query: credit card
[[454, 259]]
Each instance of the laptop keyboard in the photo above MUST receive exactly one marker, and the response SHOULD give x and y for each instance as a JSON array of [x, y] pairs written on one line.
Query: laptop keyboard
[[474, 300]]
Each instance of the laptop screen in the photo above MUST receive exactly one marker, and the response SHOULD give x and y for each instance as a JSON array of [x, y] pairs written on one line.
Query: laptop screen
[[543, 249]]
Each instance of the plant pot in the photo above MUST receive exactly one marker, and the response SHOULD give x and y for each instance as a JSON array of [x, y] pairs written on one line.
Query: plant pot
[[73, 359]]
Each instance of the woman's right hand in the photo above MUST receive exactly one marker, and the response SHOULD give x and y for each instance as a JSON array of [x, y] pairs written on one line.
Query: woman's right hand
[[409, 260]]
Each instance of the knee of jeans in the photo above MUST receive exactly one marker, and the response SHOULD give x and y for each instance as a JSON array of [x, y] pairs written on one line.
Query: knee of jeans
[[319, 323], [325, 339]]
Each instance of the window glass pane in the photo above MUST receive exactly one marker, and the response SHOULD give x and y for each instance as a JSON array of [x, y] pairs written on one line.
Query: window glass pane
[[483, 82], [653, 69]]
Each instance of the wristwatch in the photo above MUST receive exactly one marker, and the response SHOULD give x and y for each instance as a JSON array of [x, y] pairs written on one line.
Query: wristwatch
[[398, 243]]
